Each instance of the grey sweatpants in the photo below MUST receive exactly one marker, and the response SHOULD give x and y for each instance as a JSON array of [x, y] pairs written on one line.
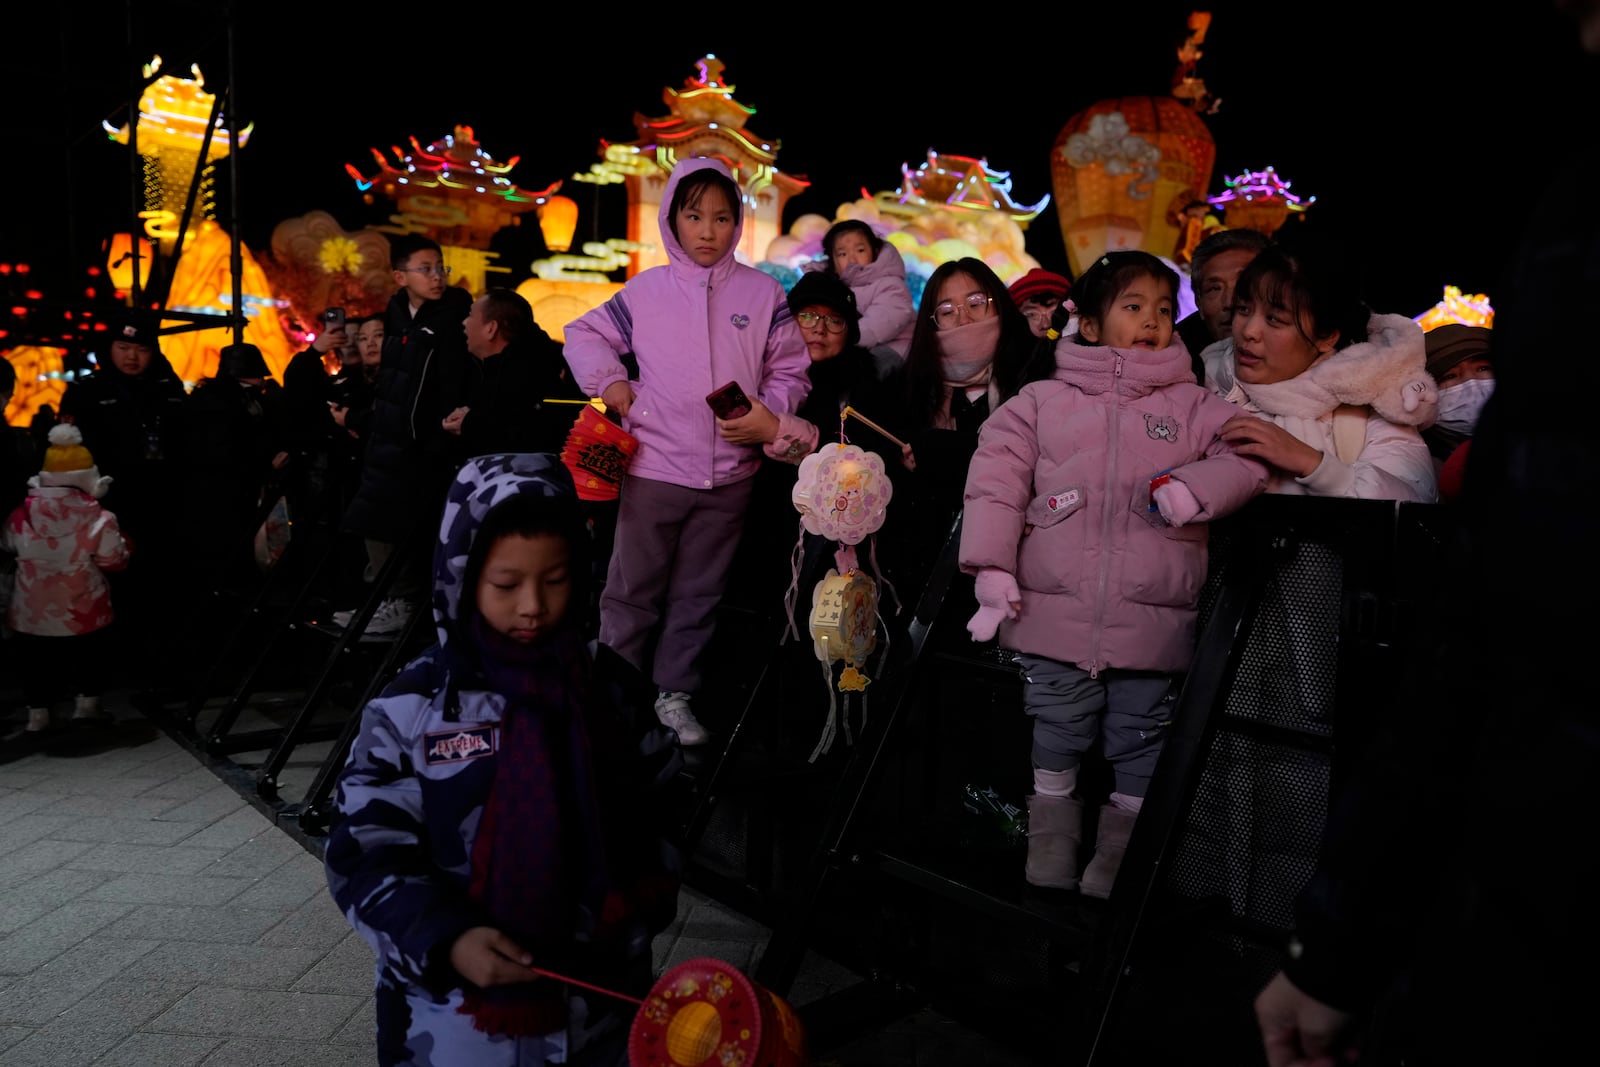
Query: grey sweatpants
[[1129, 710], [674, 548]]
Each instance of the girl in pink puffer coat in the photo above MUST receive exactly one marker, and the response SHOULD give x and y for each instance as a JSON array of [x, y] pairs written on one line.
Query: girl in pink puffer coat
[[1084, 523]]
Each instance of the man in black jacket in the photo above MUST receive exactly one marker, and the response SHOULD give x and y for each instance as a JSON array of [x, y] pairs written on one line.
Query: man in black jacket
[[407, 464], [131, 412], [519, 392]]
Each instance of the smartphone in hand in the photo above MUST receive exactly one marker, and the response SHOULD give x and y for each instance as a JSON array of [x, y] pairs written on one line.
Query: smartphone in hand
[[332, 319], [729, 402]]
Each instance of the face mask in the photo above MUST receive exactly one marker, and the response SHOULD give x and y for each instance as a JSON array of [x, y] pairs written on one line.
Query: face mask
[[1460, 405], [967, 349]]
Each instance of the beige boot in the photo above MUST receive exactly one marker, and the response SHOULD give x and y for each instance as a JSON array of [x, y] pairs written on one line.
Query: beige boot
[[1110, 842], [87, 709], [1055, 826], [38, 720]]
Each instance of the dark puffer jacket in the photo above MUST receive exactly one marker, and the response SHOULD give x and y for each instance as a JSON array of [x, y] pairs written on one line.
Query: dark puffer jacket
[[134, 428], [407, 464]]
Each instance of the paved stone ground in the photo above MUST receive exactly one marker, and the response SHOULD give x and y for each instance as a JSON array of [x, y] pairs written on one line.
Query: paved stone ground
[[150, 915]]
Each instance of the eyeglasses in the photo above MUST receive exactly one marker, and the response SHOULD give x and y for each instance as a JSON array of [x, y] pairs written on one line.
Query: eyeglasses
[[948, 312], [442, 272], [808, 319]]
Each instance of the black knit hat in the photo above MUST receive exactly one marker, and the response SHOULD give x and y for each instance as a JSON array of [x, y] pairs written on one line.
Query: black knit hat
[[137, 327], [241, 361], [825, 288]]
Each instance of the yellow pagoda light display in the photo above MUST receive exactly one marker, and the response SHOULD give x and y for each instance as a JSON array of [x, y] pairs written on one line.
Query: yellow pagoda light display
[[703, 120], [458, 194], [1467, 309], [173, 113]]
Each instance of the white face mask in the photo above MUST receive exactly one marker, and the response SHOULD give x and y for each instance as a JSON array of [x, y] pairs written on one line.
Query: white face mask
[[1460, 405]]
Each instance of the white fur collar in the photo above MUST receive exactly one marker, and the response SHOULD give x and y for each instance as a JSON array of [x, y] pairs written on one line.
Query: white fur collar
[[1388, 372]]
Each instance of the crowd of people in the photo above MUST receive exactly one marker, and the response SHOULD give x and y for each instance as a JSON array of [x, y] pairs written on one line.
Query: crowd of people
[[488, 832]]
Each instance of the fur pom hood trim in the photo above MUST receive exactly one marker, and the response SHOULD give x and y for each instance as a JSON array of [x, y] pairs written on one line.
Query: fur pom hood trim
[[89, 480]]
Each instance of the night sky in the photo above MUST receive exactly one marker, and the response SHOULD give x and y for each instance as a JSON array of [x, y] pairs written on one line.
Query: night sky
[[1420, 138]]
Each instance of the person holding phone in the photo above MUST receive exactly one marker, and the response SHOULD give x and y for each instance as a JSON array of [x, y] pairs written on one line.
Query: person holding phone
[[694, 324]]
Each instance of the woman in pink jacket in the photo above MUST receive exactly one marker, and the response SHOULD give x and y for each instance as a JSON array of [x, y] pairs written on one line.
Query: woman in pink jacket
[[1084, 522], [694, 324], [65, 542]]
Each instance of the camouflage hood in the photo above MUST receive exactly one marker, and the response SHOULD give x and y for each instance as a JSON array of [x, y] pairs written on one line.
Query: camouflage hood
[[480, 486]]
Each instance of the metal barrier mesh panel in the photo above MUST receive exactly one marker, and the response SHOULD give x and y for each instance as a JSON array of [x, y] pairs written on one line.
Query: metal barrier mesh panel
[[1254, 830]]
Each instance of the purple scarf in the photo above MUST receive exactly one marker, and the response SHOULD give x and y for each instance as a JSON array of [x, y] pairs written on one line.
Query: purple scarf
[[530, 864]]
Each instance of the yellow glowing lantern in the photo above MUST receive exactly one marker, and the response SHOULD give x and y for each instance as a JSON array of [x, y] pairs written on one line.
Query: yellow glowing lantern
[[203, 282], [1117, 166], [40, 380], [558, 217], [119, 261], [173, 113], [1471, 310]]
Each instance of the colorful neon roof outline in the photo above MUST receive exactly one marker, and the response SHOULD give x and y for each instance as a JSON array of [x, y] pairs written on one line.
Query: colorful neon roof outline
[[1259, 185], [959, 182], [704, 121], [456, 164]]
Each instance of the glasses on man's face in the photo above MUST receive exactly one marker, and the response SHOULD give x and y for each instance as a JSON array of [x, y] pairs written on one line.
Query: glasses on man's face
[[809, 319], [430, 272], [949, 312]]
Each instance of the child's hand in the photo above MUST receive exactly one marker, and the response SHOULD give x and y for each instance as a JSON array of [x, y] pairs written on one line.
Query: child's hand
[[755, 427], [618, 396], [998, 598], [907, 459], [1176, 502], [486, 957]]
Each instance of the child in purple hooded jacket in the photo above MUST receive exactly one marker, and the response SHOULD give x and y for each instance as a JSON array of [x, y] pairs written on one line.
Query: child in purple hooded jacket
[[1084, 523], [694, 324]]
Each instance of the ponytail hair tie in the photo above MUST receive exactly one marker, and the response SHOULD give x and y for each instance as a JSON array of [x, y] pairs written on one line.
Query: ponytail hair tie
[[1072, 308]]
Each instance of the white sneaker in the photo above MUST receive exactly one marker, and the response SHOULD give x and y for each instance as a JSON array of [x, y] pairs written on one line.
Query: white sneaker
[[342, 619], [672, 708], [390, 618]]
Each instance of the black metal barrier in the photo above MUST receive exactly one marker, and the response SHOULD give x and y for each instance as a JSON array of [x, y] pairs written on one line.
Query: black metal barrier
[[1304, 626]]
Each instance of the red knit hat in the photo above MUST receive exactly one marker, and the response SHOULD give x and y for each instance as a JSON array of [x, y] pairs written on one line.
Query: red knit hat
[[1038, 282]]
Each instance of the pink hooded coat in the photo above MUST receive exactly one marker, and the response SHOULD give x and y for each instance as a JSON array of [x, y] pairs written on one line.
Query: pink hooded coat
[[693, 329], [1058, 494]]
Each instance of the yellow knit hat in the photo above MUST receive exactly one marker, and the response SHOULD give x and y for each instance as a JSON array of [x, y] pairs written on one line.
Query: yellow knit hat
[[66, 451]]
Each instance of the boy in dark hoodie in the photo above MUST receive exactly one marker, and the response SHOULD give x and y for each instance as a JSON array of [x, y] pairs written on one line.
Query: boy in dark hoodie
[[501, 815]]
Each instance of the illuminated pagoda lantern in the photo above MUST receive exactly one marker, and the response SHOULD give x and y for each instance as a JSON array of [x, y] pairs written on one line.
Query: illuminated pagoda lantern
[[1127, 170], [704, 120], [173, 113], [1259, 200], [457, 194]]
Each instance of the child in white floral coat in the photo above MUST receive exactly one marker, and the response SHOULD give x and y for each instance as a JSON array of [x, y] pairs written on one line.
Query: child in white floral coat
[[65, 543]]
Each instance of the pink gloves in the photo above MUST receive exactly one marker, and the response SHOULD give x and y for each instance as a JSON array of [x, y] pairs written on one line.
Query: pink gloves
[[998, 598], [1177, 503]]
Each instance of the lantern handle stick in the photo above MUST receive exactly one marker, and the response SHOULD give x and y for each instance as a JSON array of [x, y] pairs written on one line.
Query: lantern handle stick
[[586, 985], [850, 411]]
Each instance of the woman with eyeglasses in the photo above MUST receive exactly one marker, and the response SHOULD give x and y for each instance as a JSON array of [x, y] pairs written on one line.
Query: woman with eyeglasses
[[968, 355]]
